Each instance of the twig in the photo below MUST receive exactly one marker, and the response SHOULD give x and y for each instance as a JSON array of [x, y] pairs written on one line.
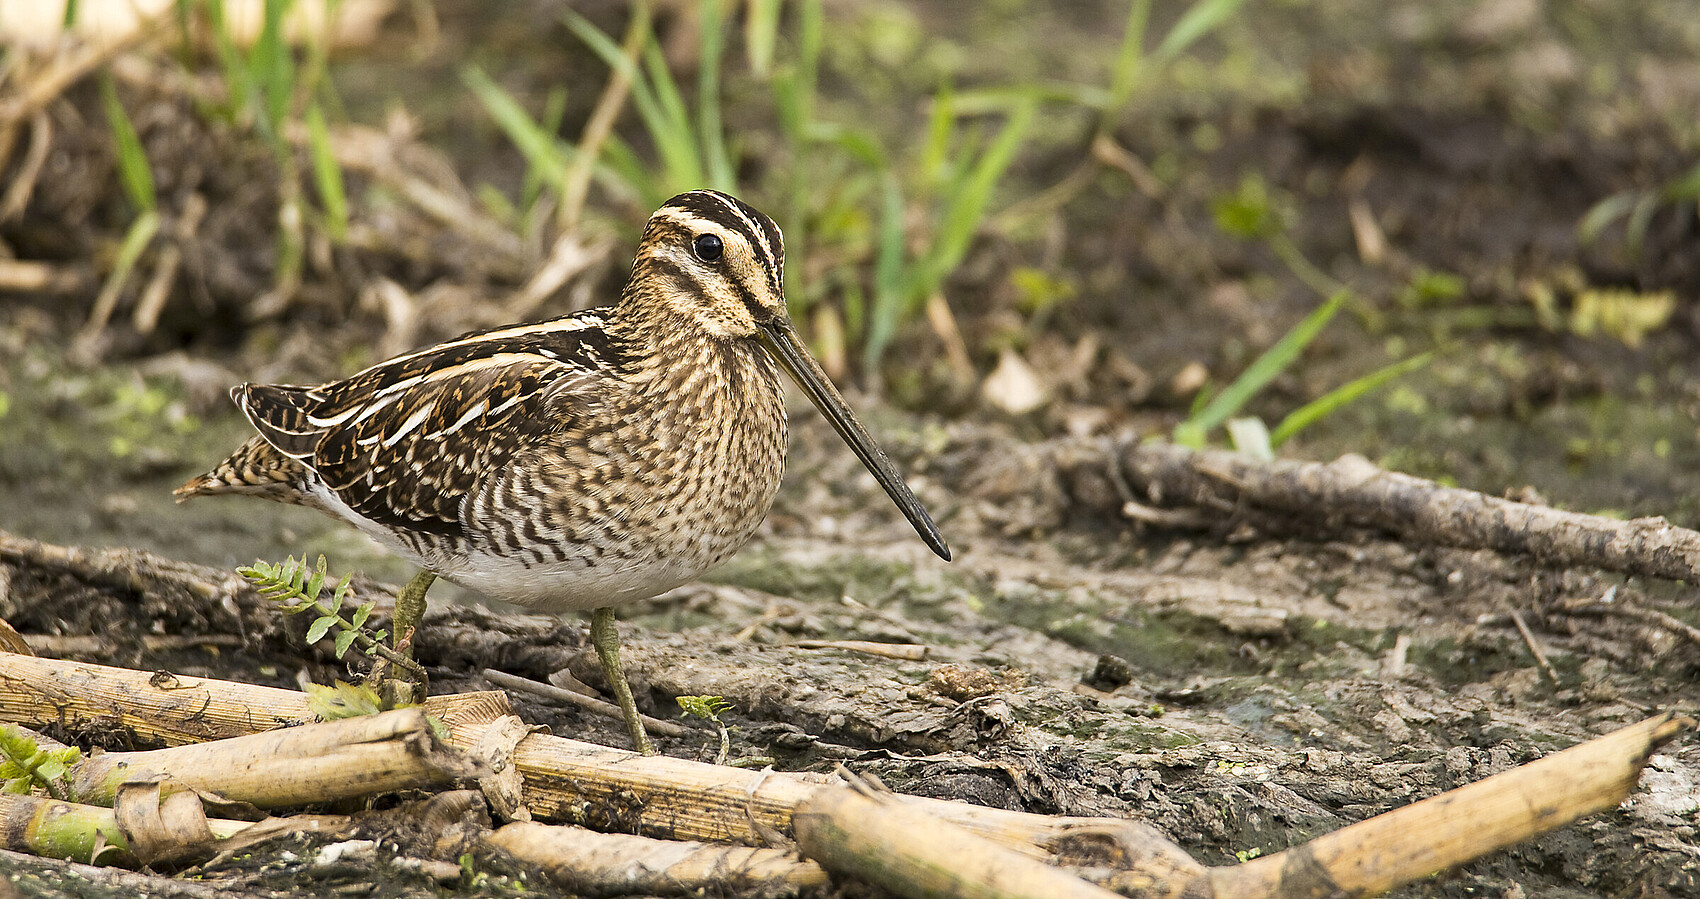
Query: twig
[[1641, 613], [1534, 647], [23, 183], [125, 569], [588, 703], [1374, 856], [909, 652]]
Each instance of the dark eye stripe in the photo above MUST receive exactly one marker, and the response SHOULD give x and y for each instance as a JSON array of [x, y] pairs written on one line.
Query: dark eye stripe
[[735, 215]]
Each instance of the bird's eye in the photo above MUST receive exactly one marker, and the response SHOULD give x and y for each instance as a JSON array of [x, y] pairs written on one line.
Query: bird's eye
[[708, 248]]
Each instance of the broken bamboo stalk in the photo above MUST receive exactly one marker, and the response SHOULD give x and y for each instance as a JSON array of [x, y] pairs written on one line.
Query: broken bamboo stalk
[[910, 852], [92, 834], [621, 864], [290, 766], [1442, 832]]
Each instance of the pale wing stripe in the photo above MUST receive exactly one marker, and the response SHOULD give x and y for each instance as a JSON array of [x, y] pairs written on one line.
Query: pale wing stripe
[[372, 409], [413, 421], [472, 413], [333, 421], [559, 326]]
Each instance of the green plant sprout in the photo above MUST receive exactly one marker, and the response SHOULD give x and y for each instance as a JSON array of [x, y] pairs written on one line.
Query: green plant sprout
[[297, 588], [709, 708], [1636, 209], [25, 766]]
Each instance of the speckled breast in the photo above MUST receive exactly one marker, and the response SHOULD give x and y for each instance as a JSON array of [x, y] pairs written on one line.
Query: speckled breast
[[670, 478]]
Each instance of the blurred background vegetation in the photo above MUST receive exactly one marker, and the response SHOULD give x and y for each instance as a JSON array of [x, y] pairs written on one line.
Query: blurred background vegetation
[[1459, 237]]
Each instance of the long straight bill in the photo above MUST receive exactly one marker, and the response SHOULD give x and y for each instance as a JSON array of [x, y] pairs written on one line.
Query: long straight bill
[[781, 340]]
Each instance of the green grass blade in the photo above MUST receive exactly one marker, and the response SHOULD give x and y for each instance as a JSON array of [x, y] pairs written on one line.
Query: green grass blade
[[657, 120], [543, 153], [1265, 368], [237, 73], [626, 174], [1602, 214], [1124, 76], [136, 239], [936, 151], [761, 34], [716, 162], [274, 71], [1319, 408], [967, 204], [1199, 20], [327, 175], [888, 299], [671, 129], [554, 112], [133, 171]]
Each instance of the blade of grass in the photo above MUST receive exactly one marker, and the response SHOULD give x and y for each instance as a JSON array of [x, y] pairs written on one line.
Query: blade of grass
[[967, 205], [1321, 407], [717, 164], [888, 300], [274, 71], [671, 127], [761, 34], [1265, 368], [544, 154], [327, 175], [554, 111], [1199, 20], [133, 171], [1130, 56]]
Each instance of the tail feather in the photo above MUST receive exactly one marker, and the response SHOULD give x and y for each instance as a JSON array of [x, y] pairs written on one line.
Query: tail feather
[[256, 469]]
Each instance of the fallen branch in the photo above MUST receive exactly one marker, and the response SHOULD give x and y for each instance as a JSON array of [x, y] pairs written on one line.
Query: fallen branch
[[1353, 489]]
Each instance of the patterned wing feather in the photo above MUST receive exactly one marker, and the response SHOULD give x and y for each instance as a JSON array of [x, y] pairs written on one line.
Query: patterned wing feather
[[404, 442]]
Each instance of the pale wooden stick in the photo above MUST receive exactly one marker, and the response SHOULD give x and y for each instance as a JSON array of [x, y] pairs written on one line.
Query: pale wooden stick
[[290, 766], [912, 853], [618, 864], [1455, 827]]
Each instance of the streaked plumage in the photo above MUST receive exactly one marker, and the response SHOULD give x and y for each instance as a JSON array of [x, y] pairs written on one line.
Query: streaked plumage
[[579, 463]]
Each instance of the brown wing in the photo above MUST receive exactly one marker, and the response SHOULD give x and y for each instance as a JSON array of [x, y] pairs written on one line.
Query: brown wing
[[403, 443]]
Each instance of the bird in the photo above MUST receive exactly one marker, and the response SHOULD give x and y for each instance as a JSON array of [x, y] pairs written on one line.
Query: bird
[[575, 464]]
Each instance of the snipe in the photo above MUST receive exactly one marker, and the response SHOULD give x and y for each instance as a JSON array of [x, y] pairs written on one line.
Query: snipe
[[580, 463]]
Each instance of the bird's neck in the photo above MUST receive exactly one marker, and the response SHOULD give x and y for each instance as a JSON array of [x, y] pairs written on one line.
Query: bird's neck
[[679, 358]]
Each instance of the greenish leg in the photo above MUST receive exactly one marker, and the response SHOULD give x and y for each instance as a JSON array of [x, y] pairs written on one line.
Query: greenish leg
[[606, 638], [410, 606], [409, 610]]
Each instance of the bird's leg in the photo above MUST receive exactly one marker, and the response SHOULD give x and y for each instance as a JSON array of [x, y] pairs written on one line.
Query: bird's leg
[[409, 610], [606, 638]]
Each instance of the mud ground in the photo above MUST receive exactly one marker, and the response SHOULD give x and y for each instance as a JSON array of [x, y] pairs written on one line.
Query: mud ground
[[1242, 689]]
